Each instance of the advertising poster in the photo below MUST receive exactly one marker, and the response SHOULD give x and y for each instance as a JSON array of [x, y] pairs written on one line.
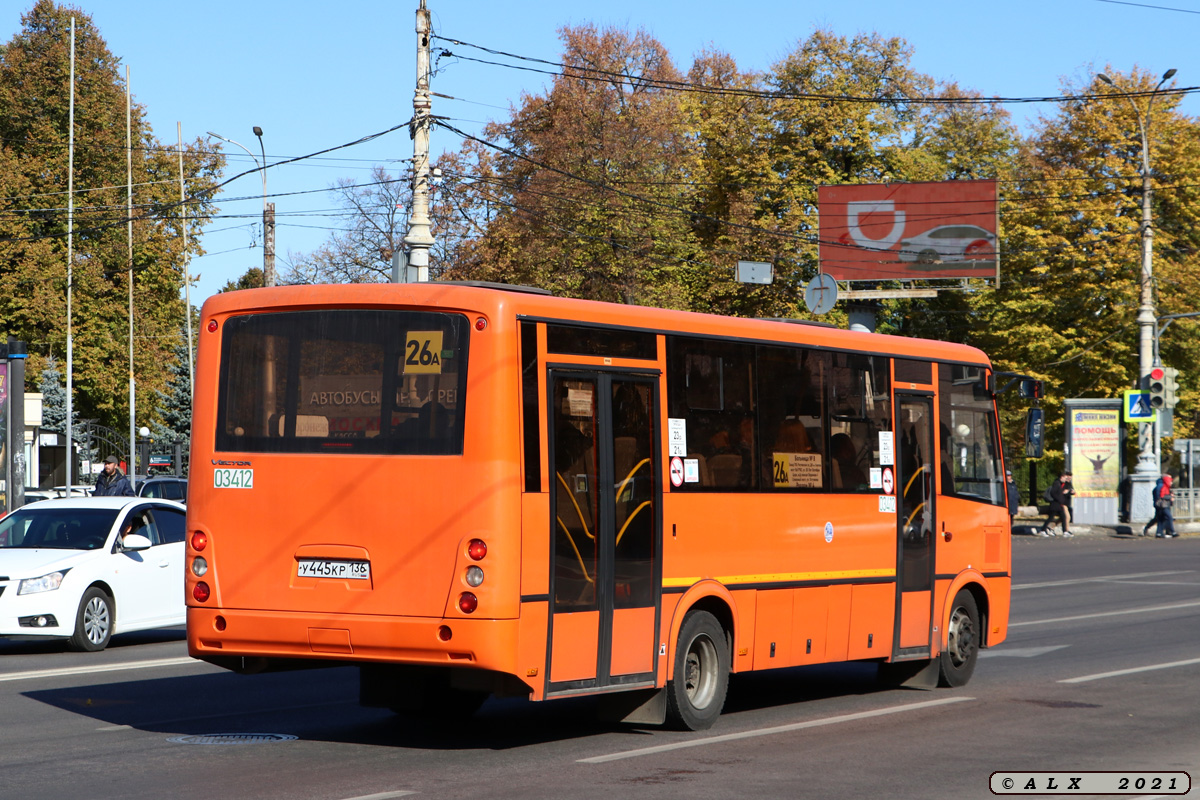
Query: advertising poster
[[1095, 442], [4, 436], [909, 231]]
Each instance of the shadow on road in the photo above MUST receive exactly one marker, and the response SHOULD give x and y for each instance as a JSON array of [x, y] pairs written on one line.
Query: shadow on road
[[322, 705]]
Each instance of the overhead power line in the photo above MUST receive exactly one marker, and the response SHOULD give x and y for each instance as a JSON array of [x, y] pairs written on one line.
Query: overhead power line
[[584, 72]]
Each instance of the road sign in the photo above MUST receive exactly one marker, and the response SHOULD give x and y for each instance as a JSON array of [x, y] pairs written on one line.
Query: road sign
[[1136, 407], [821, 294]]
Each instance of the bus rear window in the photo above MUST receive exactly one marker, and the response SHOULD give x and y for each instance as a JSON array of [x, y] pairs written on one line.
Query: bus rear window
[[343, 381]]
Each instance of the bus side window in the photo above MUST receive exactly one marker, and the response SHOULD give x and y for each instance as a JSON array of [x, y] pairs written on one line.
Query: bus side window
[[860, 407], [791, 417]]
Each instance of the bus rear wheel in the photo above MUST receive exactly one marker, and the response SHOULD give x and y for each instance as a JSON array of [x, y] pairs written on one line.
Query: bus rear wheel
[[700, 678], [962, 641]]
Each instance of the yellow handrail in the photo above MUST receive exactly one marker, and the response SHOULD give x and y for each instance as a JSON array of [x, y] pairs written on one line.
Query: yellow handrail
[[629, 520], [578, 555], [629, 477], [578, 510]]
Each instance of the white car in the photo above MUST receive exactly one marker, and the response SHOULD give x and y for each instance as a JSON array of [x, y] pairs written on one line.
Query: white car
[[950, 244], [85, 568]]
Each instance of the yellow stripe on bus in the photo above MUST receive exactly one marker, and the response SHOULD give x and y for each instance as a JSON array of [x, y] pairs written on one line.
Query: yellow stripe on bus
[[783, 577]]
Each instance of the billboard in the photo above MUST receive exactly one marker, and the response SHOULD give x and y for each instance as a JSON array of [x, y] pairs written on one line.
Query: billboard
[[1095, 437], [909, 231]]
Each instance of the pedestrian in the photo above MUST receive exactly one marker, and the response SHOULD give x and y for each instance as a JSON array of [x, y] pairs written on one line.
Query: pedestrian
[[1014, 496], [1166, 521], [1154, 494], [1060, 500], [112, 482]]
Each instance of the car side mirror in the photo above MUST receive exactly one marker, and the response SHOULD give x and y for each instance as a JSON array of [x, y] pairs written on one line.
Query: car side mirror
[[135, 541]]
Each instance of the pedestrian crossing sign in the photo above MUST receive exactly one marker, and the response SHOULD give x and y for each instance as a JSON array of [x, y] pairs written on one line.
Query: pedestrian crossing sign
[[1136, 407]]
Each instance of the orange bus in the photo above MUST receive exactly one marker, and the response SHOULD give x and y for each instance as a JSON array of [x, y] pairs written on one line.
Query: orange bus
[[470, 489]]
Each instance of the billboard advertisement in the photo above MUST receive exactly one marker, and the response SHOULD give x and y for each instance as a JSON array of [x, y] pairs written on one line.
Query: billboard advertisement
[[1095, 436], [909, 231]]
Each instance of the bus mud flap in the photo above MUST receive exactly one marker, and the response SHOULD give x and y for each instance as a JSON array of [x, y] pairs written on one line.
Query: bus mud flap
[[641, 707], [922, 674]]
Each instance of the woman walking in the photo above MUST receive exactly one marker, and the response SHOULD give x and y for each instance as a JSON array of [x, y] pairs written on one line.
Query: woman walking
[[1162, 505]]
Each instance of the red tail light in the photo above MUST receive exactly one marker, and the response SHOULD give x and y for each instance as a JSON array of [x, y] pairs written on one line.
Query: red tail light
[[199, 541], [467, 602], [200, 592], [477, 549]]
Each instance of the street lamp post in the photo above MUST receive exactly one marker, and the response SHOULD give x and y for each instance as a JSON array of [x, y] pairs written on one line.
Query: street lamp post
[[268, 208], [1147, 469]]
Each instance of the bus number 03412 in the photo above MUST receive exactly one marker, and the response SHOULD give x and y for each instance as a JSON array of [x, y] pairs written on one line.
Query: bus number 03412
[[233, 478]]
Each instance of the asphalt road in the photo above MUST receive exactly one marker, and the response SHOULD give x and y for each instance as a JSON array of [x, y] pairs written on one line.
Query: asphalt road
[[1101, 671]]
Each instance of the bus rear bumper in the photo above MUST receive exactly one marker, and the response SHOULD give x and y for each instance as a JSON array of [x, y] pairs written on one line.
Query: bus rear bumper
[[228, 636]]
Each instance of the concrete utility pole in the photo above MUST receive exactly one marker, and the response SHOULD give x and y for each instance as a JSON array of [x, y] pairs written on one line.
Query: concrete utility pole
[[1147, 470], [268, 219], [419, 238]]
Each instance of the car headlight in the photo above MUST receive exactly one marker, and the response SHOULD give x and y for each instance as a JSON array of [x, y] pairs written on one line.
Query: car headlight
[[46, 583]]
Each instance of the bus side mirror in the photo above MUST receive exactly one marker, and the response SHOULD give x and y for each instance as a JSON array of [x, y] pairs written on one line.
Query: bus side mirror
[[1030, 388], [1035, 425]]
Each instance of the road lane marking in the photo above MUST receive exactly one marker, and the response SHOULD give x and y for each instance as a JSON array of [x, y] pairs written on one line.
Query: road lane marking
[[1022, 652], [730, 737], [125, 665], [383, 795], [1115, 673], [1143, 610], [1100, 579]]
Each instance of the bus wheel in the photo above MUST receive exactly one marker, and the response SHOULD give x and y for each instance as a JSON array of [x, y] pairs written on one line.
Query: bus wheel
[[93, 623], [696, 691], [962, 641]]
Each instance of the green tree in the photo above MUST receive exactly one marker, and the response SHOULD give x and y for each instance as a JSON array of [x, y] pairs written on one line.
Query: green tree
[[34, 132], [175, 404], [589, 191], [1066, 309]]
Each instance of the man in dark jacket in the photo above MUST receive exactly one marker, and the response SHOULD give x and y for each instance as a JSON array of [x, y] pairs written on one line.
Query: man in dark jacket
[[1060, 493], [1014, 495], [112, 482]]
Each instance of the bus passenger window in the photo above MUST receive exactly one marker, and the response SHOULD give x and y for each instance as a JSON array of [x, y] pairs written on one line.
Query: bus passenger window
[[860, 408], [792, 415], [711, 388], [969, 447]]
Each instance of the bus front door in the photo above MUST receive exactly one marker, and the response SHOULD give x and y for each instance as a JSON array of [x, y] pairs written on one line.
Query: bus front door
[[915, 462], [605, 581]]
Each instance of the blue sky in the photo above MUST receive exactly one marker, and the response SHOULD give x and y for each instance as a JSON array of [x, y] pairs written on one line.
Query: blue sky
[[314, 74]]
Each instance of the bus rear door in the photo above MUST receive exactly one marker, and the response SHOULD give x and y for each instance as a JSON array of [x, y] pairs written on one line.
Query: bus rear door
[[605, 581], [916, 459]]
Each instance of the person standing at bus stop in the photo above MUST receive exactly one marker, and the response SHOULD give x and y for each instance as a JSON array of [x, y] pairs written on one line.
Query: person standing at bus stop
[[1013, 494], [112, 482], [1060, 492]]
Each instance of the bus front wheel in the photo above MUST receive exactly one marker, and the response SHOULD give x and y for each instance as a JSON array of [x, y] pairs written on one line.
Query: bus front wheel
[[700, 678], [962, 641]]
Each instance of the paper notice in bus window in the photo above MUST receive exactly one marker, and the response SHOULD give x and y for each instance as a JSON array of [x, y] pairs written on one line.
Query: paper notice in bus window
[[876, 478], [423, 353], [677, 434], [797, 470], [579, 402], [887, 449], [691, 470]]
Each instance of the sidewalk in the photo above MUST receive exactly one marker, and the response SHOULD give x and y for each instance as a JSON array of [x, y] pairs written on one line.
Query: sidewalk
[[1028, 525]]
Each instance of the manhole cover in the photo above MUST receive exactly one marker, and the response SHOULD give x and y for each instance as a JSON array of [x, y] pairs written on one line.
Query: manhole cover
[[232, 738]]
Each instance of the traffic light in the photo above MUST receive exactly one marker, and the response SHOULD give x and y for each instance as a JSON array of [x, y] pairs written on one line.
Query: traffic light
[[1169, 386], [1156, 386]]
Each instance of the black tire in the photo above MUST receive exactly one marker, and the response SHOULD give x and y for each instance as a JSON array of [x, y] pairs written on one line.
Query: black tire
[[962, 641], [928, 256], [93, 623], [700, 677]]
